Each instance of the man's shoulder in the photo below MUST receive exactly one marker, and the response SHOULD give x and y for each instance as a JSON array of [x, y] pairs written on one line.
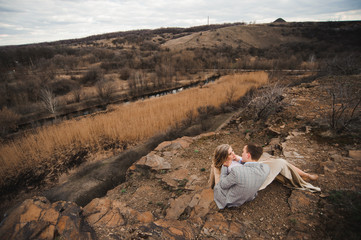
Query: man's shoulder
[[252, 166]]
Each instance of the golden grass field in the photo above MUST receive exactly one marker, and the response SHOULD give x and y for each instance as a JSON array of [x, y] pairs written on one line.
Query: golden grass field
[[128, 123]]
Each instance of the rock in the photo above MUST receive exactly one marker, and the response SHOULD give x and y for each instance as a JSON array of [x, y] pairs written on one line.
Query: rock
[[289, 152], [216, 226], [104, 212], [204, 135], [302, 201], [273, 145], [144, 192], [304, 222], [275, 142], [179, 143], [154, 161], [336, 157], [355, 154], [329, 167], [169, 146], [300, 117], [168, 155], [274, 131], [201, 203], [177, 178], [194, 183], [145, 217], [37, 218], [296, 235], [327, 133], [107, 213], [248, 136], [177, 206], [174, 229], [295, 133]]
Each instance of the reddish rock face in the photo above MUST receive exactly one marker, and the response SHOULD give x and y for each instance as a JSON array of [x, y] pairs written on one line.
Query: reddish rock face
[[355, 154], [37, 218]]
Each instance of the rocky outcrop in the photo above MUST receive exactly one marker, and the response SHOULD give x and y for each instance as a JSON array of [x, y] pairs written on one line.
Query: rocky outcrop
[[37, 218]]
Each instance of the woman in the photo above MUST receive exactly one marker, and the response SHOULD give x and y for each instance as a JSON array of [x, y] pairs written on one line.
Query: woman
[[280, 169], [241, 183], [223, 153]]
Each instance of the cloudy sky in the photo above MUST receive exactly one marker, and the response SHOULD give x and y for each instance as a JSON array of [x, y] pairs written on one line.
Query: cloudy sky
[[31, 21]]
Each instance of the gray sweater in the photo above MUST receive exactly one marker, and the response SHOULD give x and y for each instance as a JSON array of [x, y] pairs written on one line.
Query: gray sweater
[[240, 185]]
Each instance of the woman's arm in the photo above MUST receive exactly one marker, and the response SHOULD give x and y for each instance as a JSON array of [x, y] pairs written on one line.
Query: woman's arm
[[212, 178]]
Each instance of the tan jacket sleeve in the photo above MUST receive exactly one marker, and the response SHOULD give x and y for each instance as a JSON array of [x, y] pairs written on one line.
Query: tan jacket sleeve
[[214, 176]]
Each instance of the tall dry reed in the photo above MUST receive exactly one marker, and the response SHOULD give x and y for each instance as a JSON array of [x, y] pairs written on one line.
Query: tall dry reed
[[126, 123]]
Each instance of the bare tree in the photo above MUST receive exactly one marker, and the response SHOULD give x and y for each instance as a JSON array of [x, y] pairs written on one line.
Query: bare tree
[[267, 101], [345, 103], [49, 100], [105, 90], [343, 65], [76, 92], [137, 83]]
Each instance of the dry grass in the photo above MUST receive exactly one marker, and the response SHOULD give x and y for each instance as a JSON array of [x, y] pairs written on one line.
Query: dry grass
[[126, 123]]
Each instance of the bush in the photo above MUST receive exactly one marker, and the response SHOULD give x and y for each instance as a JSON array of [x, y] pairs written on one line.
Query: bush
[[345, 102], [62, 86], [8, 120], [149, 46], [125, 73], [91, 76], [105, 90], [266, 101], [345, 65], [346, 215]]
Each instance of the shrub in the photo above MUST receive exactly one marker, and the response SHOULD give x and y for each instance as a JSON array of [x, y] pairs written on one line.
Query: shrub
[[149, 46], [266, 101], [344, 65], [125, 73], [62, 86], [346, 214], [76, 92], [345, 101], [8, 120], [105, 90], [92, 76]]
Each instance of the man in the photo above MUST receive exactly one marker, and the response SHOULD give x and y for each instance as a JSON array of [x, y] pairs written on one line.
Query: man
[[241, 184]]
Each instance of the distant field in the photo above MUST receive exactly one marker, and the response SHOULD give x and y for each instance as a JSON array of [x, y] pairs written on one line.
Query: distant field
[[129, 123]]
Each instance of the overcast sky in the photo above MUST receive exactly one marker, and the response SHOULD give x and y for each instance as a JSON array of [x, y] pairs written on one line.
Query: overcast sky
[[31, 21]]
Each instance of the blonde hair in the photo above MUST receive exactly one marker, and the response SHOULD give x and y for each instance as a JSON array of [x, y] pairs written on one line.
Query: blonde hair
[[220, 155]]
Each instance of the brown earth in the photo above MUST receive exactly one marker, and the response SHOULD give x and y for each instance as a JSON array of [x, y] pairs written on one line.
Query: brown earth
[[166, 194], [246, 36]]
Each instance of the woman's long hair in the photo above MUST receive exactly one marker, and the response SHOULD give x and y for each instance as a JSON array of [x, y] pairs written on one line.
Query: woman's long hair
[[220, 155]]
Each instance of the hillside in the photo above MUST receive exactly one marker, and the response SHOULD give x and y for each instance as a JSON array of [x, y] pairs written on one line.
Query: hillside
[[245, 37], [166, 194], [85, 75]]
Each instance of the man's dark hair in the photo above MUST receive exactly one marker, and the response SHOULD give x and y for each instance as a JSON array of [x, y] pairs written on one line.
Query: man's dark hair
[[255, 151]]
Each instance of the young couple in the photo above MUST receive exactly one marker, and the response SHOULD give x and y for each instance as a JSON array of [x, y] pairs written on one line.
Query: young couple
[[237, 179]]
